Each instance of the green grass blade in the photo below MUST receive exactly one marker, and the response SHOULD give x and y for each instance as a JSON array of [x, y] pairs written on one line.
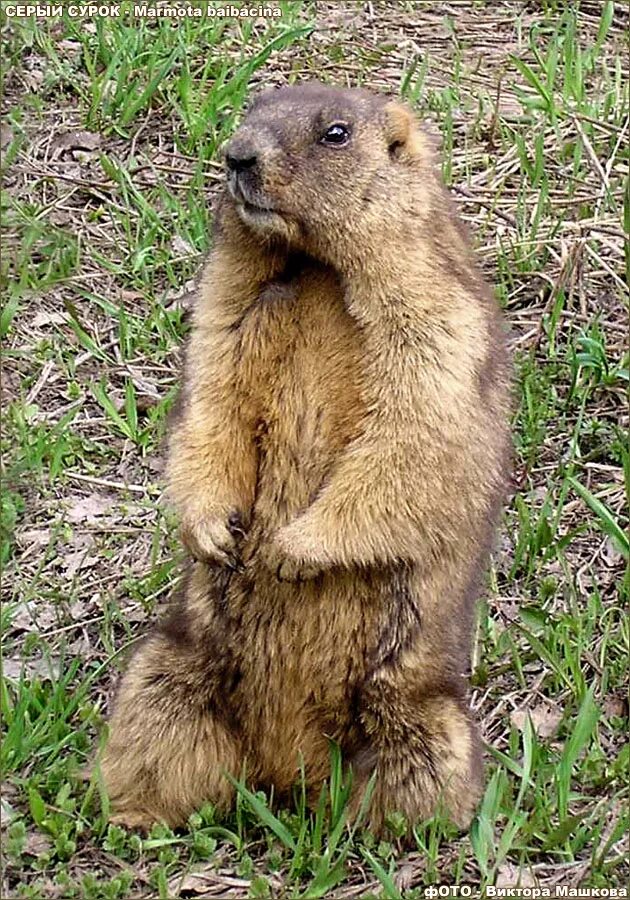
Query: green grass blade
[[389, 885], [265, 815], [605, 517]]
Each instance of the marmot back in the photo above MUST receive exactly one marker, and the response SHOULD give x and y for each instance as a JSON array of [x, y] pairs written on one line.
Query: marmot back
[[338, 468]]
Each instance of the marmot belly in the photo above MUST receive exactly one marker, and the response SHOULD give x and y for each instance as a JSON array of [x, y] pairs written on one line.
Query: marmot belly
[[300, 648]]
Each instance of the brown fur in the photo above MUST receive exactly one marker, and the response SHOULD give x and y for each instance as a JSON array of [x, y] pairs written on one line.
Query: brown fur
[[338, 469]]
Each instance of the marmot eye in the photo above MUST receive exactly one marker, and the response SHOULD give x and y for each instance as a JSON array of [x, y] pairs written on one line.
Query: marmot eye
[[337, 134]]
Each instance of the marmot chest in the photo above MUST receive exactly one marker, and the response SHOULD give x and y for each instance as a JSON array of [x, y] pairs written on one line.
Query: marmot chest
[[301, 371]]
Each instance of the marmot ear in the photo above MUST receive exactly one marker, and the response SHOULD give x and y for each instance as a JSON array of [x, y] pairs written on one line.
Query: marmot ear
[[404, 139]]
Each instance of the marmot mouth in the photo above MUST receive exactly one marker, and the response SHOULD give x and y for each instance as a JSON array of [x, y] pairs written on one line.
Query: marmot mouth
[[244, 204]]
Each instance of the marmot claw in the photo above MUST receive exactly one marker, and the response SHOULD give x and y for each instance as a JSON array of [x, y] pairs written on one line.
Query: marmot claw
[[213, 540]]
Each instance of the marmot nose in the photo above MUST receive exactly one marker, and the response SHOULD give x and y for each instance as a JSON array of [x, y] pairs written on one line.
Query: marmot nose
[[238, 158]]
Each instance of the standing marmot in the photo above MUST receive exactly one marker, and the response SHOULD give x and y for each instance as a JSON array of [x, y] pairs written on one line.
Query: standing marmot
[[338, 469]]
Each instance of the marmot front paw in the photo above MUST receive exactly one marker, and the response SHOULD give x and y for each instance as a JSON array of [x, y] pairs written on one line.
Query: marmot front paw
[[214, 538], [285, 564]]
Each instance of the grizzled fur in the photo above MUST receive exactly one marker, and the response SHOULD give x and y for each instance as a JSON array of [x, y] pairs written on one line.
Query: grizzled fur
[[338, 468]]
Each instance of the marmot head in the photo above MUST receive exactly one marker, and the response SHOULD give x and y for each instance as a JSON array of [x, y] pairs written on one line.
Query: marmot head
[[325, 169]]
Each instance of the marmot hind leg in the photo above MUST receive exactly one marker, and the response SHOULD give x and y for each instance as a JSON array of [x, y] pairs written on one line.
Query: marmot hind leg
[[168, 746], [427, 757]]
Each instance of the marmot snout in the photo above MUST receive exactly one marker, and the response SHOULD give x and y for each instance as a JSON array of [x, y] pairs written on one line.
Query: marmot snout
[[338, 468]]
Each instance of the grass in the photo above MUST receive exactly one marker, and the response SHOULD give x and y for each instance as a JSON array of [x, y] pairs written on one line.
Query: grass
[[110, 135]]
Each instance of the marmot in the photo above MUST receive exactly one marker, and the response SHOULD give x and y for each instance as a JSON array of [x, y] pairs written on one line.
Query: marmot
[[338, 467]]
